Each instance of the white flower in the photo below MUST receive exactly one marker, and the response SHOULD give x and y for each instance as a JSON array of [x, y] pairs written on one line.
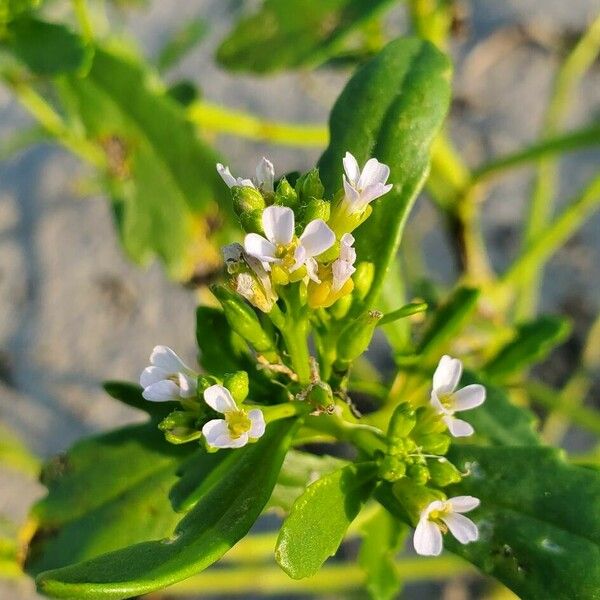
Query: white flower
[[343, 268], [265, 176], [167, 377], [361, 188], [237, 427], [281, 246], [439, 517], [447, 400]]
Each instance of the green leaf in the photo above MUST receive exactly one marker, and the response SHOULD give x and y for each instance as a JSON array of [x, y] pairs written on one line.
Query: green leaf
[[539, 521], [181, 43], [218, 520], [391, 109], [106, 492], [160, 176], [286, 34], [498, 421], [319, 518], [298, 471], [382, 537], [532, 342], [46, 48], [11, 9], [447, 321]]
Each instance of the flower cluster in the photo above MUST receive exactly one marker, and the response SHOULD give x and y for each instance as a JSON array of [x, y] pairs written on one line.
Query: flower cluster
[[294, 284]]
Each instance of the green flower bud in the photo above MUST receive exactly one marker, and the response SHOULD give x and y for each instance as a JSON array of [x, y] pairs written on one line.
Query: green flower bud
[[286, 195], [321, 397], [402, 422], [443, 472], [392, 468], [428, 421], [205, 381], [341, 307], [310, 186], [246, 199], [242, 319], [434, 443], [251, 221], [238, 384], [356, 337], [316, 209], [363, 278], [180, 427], [419, 474]]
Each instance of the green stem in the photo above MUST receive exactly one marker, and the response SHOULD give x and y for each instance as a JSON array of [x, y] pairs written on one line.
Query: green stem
[[83, 18], [554, 236], [403, 312], [219, 119], [540, 208], [574, 140], [284, 411]]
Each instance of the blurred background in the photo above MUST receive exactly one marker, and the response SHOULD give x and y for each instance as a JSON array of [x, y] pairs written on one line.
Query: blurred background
[[75, 311]]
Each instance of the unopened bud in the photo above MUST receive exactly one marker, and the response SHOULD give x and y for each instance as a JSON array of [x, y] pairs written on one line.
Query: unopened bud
[[356, 337], [434, 443], [251, 221], [402, 422], [316, 209], [392, 468], [428, 421], [180, 427], [414, 498], [242, 319], [419, 474], [246, 199], [321, 397], [443, 472], [286, 195], [309, 185], [238, 384], [363, 278]]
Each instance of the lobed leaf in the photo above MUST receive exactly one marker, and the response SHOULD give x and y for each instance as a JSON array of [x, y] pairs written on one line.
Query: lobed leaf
[[220, 518], [286, 34], [391, 109], [317, 523]]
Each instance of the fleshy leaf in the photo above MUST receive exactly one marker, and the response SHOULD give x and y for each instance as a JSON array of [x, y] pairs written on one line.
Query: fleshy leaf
[[218, 520], [319, 518], [293, 33], [391, 109]]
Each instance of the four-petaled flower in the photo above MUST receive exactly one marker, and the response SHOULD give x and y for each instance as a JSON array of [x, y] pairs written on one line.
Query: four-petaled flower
[[237, 427], [343, 268], [447, 400], [265, 176], [167, 377], [282, 247], [361, 188], [440, 516]]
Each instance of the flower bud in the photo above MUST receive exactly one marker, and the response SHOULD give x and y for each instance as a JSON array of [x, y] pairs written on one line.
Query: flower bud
[[414, 498], [242, 319], [363, 278], [251, 221], [205, 381], [238, 385], [402, 422], [428, 421], [180, 427], [443, 472], [316, 209], [246, 199], [419, 474], [321, 397], [309, 185], [434, 443], [356, 337], [392, 468], [286, 195]]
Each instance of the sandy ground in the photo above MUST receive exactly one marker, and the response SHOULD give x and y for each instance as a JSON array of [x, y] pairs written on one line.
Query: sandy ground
[[74, 311]]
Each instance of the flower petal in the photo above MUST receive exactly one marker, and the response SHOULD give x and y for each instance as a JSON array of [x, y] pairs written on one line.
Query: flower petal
[[427, 539], [461, 527], [217, 434], [469, 397], [352, 197], [258, 426], [351, 167], [463, 504], [374, 191], [458, 427], [347, 252], [312, 268], [162, 391], [165, 358], [447, 375], [373, 172], [341, 271], [226, 175], [152, 375], [435, 505], [265, 174], [317, 237], [257, 246], [278, 223], [219, 398]]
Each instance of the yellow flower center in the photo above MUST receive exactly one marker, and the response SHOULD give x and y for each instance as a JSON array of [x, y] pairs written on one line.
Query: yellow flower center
[[446, 400], [286, 252], [237, 422]]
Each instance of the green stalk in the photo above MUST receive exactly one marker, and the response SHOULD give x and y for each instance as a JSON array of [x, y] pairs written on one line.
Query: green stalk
[[572, 70], [553, 237], [83, 18]]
